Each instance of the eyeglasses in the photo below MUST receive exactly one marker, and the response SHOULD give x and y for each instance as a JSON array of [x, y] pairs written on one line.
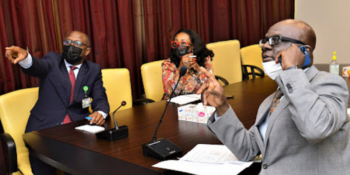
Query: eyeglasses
[[75, 43], [274, 40], [181, 44]]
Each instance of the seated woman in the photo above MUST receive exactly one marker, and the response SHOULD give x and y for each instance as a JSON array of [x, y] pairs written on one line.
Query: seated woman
[[188, 49]]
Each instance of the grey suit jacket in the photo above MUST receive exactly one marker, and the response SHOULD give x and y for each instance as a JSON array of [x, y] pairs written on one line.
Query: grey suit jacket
[[308, 132]]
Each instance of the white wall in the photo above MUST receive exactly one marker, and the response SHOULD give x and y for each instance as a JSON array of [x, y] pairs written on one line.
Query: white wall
[[331, 21]]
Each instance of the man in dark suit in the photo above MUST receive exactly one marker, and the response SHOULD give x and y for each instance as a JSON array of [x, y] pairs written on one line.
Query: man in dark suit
[[68, 83]]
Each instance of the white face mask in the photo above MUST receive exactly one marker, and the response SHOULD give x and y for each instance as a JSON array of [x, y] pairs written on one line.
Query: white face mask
[[272, 69]]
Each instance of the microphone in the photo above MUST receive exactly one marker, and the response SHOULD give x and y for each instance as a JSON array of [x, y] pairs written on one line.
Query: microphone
[[164, 149], [115, 121], [116, 132]]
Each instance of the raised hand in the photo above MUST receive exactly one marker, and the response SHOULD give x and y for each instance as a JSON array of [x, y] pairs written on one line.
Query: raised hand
[[190, 62], [15, 54], [213, 93], [291, 56]]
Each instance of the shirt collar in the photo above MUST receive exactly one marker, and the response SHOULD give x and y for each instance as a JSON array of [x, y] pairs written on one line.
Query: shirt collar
[[68, 65]]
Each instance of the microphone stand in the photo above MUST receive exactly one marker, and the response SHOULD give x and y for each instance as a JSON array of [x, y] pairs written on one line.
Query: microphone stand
[[116, 132], [161, 119], [163, 149], [115, 121]]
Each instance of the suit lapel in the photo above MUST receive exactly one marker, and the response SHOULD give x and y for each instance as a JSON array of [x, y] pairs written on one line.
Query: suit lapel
[[265, 106], [67, 84], [310, 74], [61, 83], [280, 107], [80, 79], [261, 116]]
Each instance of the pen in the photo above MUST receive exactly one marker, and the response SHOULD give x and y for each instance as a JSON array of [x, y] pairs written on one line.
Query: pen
[[88, 118]]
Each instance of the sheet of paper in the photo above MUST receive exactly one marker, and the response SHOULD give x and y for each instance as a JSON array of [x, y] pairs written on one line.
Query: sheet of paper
[[184, 99], [202, 168], [206, 159], [206, 153], [90, 128]]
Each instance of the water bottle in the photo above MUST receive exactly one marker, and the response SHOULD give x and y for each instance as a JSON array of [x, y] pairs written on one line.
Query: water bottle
[[334, 66]]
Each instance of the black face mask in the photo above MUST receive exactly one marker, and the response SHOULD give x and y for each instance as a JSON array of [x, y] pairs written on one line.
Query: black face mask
[[72, 54], [182, 51]]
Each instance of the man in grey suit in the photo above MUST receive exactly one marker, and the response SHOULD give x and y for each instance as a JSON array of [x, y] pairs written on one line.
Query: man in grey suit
[[303, 127]]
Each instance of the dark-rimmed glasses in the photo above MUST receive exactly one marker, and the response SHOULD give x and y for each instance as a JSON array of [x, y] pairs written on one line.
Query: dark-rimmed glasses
[[181, 44], [68, 42], [274, 40]]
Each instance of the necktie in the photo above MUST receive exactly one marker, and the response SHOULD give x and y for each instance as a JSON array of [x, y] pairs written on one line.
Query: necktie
[[67, 119], [276, 100]]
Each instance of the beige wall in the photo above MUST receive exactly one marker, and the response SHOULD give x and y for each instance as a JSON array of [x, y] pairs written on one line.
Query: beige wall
[[331, 21]]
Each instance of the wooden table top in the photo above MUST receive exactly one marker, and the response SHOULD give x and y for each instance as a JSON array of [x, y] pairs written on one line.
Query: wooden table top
[[79, 152]]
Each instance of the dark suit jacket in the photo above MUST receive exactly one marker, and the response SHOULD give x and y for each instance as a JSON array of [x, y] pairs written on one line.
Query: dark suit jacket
[[54, 91]]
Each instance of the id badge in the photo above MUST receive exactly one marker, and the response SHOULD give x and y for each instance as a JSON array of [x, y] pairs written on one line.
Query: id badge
[[86, 102]]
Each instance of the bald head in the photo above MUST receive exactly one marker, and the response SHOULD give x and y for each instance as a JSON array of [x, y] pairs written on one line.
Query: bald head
[[295, 29], [81, 36]]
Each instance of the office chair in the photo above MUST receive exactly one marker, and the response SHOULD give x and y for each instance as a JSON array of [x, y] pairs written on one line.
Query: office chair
[[118, 87], [14, 113], [226, 61], [252, 59], [8, 154], [152, 80]]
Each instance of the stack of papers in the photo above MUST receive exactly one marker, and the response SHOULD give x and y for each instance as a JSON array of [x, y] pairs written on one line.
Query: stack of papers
[[184, 99], [206, 159], [90, 128]]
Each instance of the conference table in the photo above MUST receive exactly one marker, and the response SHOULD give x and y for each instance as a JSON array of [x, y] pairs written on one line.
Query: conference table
[[79, 152]]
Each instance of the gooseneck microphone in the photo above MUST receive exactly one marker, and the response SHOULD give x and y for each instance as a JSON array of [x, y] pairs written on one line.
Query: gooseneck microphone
[[183, 71], [116, 132], [115, 121], [164, 149]]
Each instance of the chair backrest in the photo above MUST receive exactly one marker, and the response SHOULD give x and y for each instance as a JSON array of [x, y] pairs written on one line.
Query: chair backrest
[[14, 113], [118, 87], [8, 154], [251, 55], [226, 61], [152, 80]]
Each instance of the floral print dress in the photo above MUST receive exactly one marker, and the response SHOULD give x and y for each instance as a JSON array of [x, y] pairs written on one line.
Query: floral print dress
[[189, 83]]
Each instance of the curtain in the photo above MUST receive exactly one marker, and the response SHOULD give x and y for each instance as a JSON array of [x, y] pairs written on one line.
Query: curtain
[[127, 33]]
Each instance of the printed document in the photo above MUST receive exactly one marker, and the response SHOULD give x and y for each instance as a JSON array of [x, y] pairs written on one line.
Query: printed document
[[206, 159], [184, 99]]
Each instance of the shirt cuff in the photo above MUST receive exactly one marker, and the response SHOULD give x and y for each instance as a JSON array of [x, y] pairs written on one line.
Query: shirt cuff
[[218, 117], [103, 114], [27, 62]]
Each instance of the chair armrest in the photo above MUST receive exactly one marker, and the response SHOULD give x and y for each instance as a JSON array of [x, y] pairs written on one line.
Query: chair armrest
[[253, 72], [142, 101], [221, 79], [8, 149]]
